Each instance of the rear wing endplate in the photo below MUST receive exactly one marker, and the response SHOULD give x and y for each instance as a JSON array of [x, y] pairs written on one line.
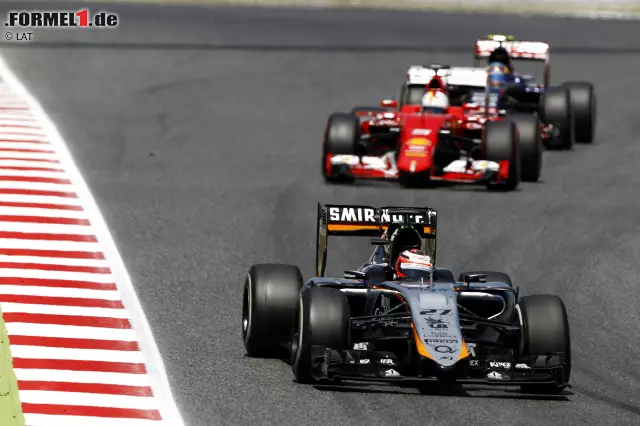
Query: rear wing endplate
[[368, 221]]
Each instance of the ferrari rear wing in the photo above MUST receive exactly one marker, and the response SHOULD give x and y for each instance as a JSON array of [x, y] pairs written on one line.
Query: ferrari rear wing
[[368, 221]]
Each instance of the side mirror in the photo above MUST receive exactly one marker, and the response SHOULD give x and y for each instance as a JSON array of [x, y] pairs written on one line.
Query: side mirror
[[475, 278], [379, 242], [389, 103], [354, 275]]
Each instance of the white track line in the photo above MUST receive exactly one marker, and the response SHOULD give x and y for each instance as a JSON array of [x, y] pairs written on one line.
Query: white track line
[[49, 245], [35, 173], [47, 420], [70, 331], [32, 211], [154, 364], [27, 163], [29, 374], [88, 399], [41, 199], [56, 275], [63, 261], [5, 154], [40, 352], [24, 308], [37, 186], [76, 293], [32, 226]]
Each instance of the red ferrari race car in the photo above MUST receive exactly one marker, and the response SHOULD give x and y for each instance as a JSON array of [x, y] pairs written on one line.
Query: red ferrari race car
[[418, 144]]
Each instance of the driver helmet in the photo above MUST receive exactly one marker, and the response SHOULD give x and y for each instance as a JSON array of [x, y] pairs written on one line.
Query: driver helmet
[[413, 263], [501, 55], [497, 76], [435, 101]]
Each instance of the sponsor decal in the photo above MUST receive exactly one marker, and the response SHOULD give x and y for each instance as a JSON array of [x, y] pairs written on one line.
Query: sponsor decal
[[365, 361], [388, 361], [435, 312], [391, 373], [419, 142], [506, 365], [471, 348], [365, 214], [494, 375], [19, 20], [436, 323], [421, 132]]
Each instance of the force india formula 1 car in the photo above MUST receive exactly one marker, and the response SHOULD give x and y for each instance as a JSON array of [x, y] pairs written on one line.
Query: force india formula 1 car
[[417, 147], [568, 111], [373, 327]]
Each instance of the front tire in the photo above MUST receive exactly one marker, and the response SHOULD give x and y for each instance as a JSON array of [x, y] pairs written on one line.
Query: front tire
[[268, 309], [341, 137], [545, 326], [323, 319], [530, 145], [501, 144]]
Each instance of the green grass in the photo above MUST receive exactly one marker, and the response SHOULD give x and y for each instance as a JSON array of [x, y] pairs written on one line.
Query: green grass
[[10, 407]]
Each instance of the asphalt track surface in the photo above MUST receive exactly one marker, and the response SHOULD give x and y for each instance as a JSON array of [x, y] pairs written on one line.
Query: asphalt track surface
[[198, 131]]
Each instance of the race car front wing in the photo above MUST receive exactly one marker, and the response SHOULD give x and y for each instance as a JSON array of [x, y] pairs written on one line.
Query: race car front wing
[[380, 366]]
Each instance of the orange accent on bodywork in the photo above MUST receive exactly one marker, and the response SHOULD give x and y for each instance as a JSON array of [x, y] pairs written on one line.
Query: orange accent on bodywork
[[341, 227], [464, 353], [422, 350], [356, 227]]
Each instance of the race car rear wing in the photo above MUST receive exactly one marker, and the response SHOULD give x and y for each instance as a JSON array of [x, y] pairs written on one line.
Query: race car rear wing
[[518, 50], [368, 221], [451, 76], [531, 50]]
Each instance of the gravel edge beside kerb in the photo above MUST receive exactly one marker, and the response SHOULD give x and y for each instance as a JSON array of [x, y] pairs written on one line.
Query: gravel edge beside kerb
[[10, 407]]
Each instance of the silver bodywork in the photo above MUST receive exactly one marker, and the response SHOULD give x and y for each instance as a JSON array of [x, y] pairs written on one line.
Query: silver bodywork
[[433, 307]]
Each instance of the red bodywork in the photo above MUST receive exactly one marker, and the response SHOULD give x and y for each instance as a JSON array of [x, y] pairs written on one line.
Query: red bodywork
[[417, 142]]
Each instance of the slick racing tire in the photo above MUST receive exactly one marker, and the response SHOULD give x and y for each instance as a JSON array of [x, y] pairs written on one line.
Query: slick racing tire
[[323, 319], [269, 306], [492, 276], [545, 329], [411, 94], [556, 110], [501, 143], [530, 145], [341, 137], [583, 105]]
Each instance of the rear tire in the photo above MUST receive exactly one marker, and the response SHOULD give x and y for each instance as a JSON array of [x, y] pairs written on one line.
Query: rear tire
[[268, 309], [583, 105], [323, 319], [411, 94], [530, 145], [545, 327], [556, 110], [341, 137], [501, 144]]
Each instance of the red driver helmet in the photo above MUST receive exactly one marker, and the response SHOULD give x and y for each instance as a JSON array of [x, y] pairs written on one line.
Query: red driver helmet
[[413, 263]]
